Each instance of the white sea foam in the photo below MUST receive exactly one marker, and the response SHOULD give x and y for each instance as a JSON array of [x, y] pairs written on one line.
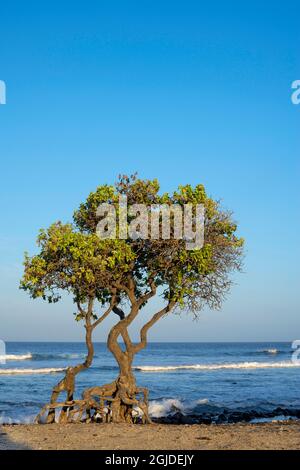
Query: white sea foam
[[40, 356], [167, 406], [60, 356], [234, 365], [270, 351], [71, 356], [4, 419], [15, 357], [157, 409], [49, 370]]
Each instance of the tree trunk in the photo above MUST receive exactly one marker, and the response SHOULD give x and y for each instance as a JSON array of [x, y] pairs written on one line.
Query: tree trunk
[[67, 384], [125, 397]]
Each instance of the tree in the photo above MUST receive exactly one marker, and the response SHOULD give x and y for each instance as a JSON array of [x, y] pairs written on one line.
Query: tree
[[124, 274]]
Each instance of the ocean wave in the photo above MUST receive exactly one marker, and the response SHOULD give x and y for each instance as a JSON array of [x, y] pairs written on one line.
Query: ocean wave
[[16, 357], [48, 370], [269, 351], [169, 406], [235, 365], [43, 356], [4, 419]]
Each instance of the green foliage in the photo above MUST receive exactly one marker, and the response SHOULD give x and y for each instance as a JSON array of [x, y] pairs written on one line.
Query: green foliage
[[74, 259], [75, 262], [85, 217]]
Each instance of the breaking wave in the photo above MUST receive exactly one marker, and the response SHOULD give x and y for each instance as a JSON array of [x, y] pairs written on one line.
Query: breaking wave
[[270, 351], [168, 406], [235, 365], [16, 357], [41, 356], [49, 370], [5, 419]]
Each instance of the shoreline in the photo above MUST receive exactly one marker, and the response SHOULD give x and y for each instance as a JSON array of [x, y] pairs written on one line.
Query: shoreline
[[283, 435]]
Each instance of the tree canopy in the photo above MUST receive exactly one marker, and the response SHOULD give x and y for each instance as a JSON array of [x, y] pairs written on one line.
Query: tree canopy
[[126, 272]]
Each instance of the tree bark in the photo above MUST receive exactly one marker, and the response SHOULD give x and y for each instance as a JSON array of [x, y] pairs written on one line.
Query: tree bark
[[67, 384]]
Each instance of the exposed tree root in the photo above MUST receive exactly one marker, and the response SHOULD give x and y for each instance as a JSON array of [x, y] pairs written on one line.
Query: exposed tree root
[[67, 384], [113, 402]]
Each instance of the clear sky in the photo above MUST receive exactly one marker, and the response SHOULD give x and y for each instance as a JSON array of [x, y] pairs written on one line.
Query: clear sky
[[184, 91]]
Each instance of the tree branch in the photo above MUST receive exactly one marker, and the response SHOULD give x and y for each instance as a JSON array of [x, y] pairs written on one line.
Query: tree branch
[[106, 313], [143, 334], [80, 308], [119, 311], [124, 332], [121, 329], [129, 290], [144, 298]]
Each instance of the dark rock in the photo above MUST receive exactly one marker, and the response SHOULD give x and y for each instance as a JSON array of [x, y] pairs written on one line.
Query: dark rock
[[296, 413], [177, 417], [255, 414], [189, 420], [205, 420], [281, 411], [221, 418], [246, 416]]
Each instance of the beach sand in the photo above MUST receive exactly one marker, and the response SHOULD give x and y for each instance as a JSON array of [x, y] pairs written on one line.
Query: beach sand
[[273, 435]]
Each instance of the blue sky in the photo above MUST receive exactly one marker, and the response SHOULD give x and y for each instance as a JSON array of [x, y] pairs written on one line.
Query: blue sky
[[187, 92]]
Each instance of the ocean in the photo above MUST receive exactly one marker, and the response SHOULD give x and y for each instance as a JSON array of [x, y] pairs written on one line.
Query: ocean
[[204, 382]]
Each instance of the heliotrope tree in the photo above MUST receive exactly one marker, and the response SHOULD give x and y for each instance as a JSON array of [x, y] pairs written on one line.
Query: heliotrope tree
[[186, 279], [122, 274]]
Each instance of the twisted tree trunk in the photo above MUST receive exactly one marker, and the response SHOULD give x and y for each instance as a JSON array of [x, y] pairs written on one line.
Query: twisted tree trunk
[[125, 397], [67, 384], [126, 390]]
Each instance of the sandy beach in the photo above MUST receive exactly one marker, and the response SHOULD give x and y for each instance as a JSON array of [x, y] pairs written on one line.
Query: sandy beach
[[283, 435]]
